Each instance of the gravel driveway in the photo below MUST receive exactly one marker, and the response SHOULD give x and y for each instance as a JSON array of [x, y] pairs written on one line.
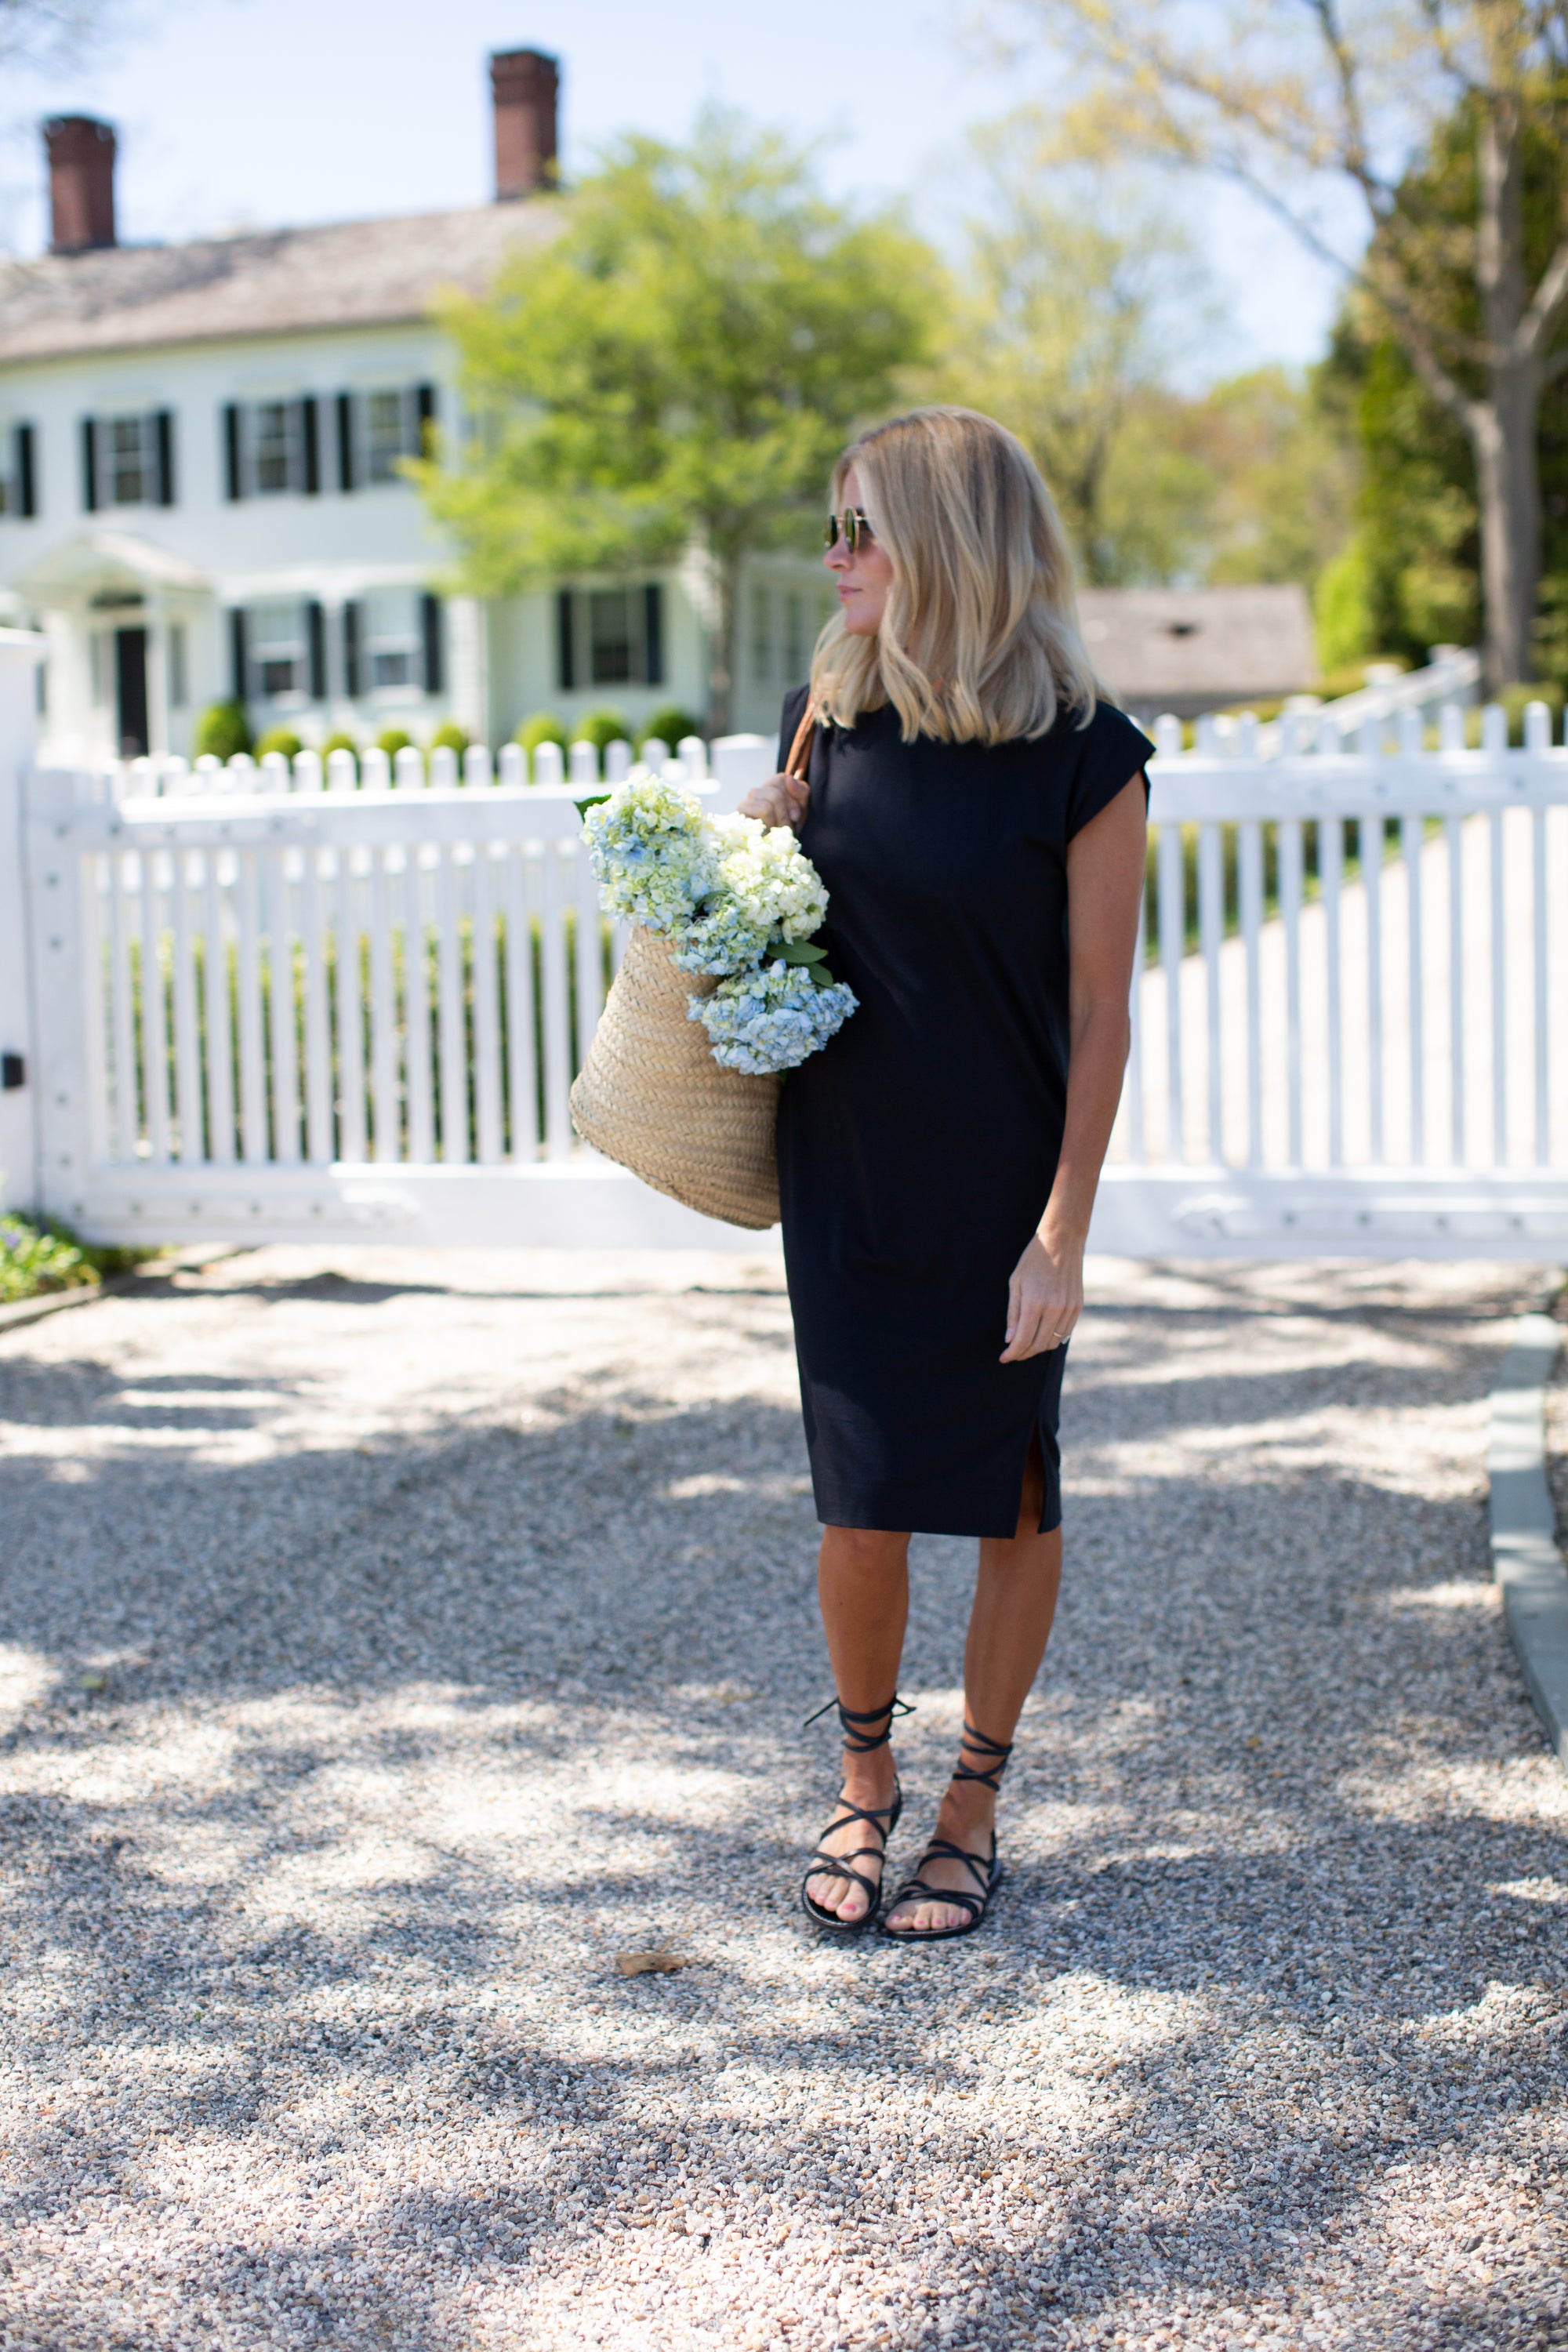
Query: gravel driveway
[[391, 1641]]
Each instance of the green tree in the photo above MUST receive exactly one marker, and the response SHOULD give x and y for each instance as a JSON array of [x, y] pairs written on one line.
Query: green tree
[[679, 367], [1083, 302], [1290, 99], [1078, 300], [1284, 468], [1419, 544]]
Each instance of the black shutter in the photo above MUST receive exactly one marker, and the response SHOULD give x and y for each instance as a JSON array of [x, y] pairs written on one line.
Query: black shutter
[[310, 446], [351, 651], [90, 465], [564, 654], [237, 649], [653, 634], [425, 411], [26, 473], [430, 629], [316, 639], [233, 485], [346, 441], [164, 427]]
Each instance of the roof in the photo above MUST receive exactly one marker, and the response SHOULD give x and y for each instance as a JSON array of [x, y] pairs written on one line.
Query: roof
[[1221, 643], [272, 282], [96, 556]]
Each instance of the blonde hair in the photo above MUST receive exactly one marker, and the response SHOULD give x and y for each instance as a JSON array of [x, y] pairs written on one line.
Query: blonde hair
[[979, 641]]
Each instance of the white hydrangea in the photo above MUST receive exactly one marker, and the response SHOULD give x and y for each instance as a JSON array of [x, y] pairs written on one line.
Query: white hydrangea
[[765, 889], [770, 1020], [771, 877]]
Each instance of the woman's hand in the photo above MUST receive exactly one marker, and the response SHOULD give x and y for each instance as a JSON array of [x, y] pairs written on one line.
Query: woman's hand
[[1045, 1298], [783, 800]]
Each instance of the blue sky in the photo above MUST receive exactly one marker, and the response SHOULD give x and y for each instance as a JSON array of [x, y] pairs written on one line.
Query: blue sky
[[261, 111]]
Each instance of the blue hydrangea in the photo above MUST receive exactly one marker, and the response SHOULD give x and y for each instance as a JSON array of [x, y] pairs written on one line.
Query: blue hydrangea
[[652, 852], [723, 938], [772, 1019]]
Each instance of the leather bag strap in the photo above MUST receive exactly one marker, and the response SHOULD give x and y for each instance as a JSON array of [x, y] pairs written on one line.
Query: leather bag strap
[[799, 761]]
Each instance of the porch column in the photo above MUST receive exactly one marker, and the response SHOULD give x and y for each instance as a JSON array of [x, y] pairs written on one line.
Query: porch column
[[157, 611], [467, 647]]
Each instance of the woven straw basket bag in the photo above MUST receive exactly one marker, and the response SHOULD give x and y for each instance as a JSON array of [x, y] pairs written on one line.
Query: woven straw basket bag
[[651, 1096]]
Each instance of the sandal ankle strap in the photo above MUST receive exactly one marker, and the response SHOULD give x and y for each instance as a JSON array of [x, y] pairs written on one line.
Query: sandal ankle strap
[[998, 1751], [858, 1742]]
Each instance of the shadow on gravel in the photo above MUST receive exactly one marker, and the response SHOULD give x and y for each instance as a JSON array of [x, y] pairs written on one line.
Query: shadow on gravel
[[1240, 1932]]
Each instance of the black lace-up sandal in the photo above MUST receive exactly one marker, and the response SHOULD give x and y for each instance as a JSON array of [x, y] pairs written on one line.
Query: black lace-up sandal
[[985, 1870], [860, 1742]]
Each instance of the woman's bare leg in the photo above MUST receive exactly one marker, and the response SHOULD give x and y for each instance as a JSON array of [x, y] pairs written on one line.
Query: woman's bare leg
[[1009, 1625], [863, 1584]]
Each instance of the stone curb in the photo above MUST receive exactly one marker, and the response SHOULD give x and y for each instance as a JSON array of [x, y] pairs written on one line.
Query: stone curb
[[1530, 1571], [113, 1285]]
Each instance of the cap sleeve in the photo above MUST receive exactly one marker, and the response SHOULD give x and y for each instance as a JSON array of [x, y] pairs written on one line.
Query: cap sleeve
[[1112, 752]]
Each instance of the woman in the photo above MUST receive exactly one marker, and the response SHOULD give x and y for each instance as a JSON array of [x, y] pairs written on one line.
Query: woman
[[967, 794]]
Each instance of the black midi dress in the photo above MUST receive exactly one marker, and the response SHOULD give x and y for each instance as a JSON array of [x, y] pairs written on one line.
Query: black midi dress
[[918, 1149]]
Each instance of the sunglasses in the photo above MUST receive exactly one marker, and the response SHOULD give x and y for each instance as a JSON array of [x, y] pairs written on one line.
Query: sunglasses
[[852, 525]]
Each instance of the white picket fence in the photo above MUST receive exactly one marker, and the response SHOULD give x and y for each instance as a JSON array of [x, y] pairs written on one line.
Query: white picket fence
[[273, 1003]]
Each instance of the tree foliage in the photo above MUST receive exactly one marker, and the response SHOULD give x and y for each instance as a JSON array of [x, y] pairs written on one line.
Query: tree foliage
[[681, 365], [1077, 299], [1083, 304], [1472, 289], [1412, 576]]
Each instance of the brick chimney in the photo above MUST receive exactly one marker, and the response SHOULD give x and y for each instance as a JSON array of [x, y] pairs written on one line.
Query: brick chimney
[[81, 183], [525, 84]]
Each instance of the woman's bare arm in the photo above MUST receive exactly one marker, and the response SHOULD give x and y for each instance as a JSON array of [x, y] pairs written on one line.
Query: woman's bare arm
[[1105, 881]]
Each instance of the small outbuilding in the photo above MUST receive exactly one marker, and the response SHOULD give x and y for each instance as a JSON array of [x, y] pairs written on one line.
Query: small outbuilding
[[1189, 650]]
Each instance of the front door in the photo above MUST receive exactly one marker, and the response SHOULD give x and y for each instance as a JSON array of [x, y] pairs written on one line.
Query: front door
[[131, 690]]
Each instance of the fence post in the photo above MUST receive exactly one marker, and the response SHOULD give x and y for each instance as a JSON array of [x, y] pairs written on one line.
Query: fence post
[[58, 944], [20, 654], [736, 762]]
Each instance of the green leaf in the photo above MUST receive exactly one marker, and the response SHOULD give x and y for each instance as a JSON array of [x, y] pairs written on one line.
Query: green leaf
[[821, 976], [593, 799], [685, 358], [797, 951]]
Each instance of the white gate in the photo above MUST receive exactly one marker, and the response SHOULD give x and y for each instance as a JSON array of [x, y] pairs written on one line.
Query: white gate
[[270, 1004]]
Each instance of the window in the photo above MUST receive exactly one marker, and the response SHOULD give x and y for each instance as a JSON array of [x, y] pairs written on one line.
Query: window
[[610, 636], [386, 435], [272, 447], [394, 641], [613, 649], [783, 633], [761, 635], [376, 430], [797, 660], [128, 461], [278, 653], [132, 462], [276, 639], [19, 472]]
